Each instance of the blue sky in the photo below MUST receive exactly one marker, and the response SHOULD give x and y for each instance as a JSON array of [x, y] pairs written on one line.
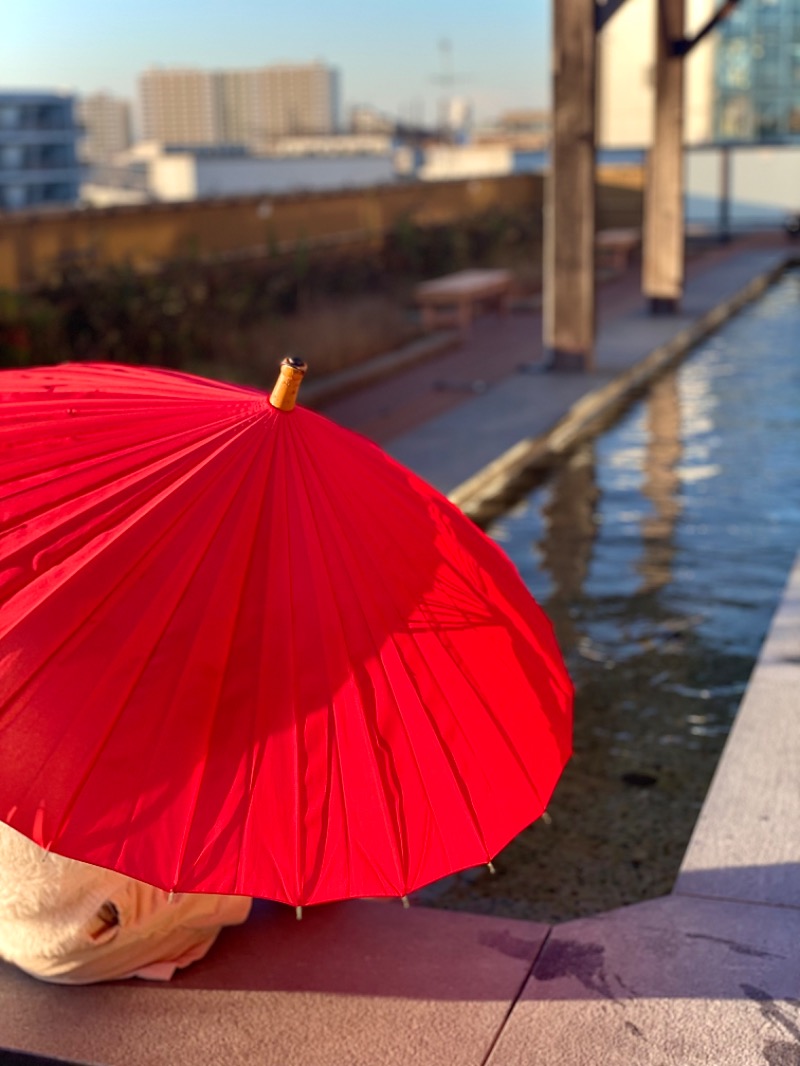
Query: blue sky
[[388, 53]]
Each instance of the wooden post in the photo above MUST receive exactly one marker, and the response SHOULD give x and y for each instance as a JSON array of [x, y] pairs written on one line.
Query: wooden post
[[663, 208], [569, 223]]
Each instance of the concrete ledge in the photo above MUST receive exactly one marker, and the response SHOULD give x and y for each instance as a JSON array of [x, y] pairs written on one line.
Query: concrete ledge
[[746, 844], [332, 386]]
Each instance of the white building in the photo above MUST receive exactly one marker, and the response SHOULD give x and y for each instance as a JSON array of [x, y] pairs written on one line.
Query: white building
[[445, 162], [38, 150], [155, 172], [626, 60], [250, 107], [457, 117], [336, 144], [106, 124]]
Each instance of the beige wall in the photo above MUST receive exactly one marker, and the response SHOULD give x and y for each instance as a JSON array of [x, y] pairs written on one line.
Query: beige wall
[[626, 53], [625, 68]]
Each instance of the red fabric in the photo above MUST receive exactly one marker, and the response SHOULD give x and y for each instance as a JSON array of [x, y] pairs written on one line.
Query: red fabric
[[244, 651]]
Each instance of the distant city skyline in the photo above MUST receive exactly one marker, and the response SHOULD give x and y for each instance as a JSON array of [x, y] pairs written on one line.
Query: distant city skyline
[[403, 59]]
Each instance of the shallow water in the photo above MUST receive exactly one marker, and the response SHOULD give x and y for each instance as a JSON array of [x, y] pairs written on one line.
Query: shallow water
[[659, 551]]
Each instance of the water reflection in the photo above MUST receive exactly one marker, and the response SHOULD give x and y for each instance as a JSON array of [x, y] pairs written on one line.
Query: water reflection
[[565, 546], [661, 482], [659, 551], [572, 514]]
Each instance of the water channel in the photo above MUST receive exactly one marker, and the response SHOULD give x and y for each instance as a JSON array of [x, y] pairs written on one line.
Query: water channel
[[659, 551]]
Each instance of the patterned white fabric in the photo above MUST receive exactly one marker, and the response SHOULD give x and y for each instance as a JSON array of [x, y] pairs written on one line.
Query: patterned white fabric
[[71, 923]]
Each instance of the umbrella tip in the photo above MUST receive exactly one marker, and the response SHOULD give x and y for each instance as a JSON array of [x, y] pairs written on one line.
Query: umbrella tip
[[292, 372], [298, 913]]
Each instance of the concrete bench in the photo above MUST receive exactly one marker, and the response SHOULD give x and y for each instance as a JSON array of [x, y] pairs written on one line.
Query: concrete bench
[[454, 297], [615, 248]]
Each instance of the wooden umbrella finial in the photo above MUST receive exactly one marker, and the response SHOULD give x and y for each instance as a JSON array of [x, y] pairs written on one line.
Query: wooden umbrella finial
[[284, 395]]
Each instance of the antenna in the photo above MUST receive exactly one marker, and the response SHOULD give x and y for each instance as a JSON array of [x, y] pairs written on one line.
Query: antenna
[[447, 78]]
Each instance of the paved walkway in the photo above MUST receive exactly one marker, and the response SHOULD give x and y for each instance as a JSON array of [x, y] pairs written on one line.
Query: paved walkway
[[707, 975], [448, 417]]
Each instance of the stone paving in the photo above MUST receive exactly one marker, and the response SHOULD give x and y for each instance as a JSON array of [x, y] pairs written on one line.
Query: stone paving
[[709, 974]]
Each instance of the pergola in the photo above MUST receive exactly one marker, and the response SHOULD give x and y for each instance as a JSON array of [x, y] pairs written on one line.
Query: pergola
[[570, 224]]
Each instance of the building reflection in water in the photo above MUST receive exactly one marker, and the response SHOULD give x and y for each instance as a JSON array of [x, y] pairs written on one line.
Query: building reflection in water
[[661, 483], [570, 529], [571, 522]]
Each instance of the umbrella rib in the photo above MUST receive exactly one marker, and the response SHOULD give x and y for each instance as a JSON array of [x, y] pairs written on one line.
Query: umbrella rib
[[390, 821], [123, 704], [391, 828], [121, 484], [120, 380], [400, 545], [252, 774], [119, 532], [211, 718], [543, 688], [91, 415], [497, 724], [300, 760], [457, 778], [389, 531], [465, 672], [459, 784]]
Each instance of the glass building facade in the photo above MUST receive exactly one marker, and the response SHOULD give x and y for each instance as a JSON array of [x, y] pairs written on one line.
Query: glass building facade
[[757, 72]]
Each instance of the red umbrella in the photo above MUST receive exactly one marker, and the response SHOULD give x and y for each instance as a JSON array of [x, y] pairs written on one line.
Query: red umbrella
[[244, 651]]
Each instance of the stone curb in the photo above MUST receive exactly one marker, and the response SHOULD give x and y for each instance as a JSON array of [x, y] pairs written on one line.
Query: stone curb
[[492, 489], [331, 387]]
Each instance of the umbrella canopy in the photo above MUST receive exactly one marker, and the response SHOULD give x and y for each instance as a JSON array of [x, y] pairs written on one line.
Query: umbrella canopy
[[242, 650]]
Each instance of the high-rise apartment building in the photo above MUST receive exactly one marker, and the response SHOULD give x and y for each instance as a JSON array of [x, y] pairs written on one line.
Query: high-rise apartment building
[[239, 113], [757, 72], [106, 124], [250, 107], [38, 150], [179, 107], [299, 99]]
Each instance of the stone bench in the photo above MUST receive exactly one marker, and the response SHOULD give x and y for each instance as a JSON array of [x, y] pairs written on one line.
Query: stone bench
[[615, 248], [454, 297]]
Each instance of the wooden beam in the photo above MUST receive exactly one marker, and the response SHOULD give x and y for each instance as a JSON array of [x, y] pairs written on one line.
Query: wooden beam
[[683, 45], [663, 266], [569, 296]]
